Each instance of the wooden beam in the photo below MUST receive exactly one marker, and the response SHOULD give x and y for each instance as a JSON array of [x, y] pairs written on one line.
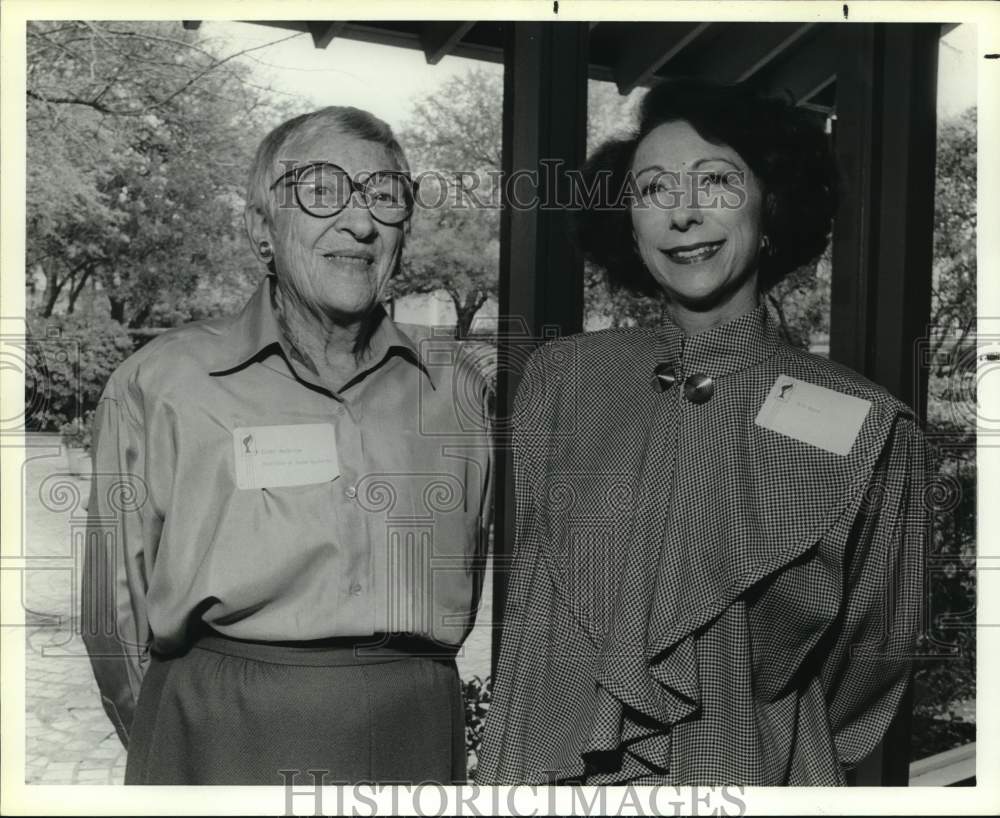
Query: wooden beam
[[808, 65], [946, 769], [323, 31], [905, 250], [886, 141], [644, 48], [439, 37], [744, 49], [288, 25], [885, 137], [541, 272], [384, 34], [191, 25], [854, 134]]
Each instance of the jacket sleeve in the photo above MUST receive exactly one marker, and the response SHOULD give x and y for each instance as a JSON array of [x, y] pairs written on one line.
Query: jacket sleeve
[[502, 756], [868, 670], [486, 489], [121, 531]]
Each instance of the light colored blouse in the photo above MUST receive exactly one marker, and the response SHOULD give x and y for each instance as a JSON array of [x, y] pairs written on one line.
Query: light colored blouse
[[388, 538], [697, 598]]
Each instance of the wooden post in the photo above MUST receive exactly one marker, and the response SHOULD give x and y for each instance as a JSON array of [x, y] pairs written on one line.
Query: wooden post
[[541, 273], [906, 209], [886, 138], [886, 141], [858, 80]]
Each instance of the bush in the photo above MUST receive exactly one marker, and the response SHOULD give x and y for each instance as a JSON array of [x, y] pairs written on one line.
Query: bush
[[69, 360], [477, 694], [945, 672], [79, 433]]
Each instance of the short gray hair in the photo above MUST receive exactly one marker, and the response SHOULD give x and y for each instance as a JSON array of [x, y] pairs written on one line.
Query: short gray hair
[[347, 120]]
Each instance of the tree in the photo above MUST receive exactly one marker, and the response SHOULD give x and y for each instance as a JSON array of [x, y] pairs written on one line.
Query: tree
[[953, 293], [458, 254], [454, 135], [800, 302], [139, 139], [946, 682], [611, 115], [453, 141]]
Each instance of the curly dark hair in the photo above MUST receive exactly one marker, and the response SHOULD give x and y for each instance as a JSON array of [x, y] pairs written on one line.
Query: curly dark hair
[[782, 144]]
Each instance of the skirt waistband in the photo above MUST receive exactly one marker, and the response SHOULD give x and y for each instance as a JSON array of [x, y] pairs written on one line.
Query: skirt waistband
[[353, 650]]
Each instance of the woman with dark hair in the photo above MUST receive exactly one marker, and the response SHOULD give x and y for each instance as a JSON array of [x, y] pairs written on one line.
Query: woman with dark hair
[[717, 566]]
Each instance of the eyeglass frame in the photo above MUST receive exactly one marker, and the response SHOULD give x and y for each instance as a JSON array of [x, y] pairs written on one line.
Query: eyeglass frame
[[356, 187]]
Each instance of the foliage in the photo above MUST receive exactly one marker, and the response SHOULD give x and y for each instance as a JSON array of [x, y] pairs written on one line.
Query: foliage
[[800, 302], [945, 676], [139, 139], [609, 114], [69, 360], [953, 294], [79, 433], [477, 694], [453, 141], [455, 135], [456, 251], [607, 306], [458, 127], [932, 735], [945, 681]]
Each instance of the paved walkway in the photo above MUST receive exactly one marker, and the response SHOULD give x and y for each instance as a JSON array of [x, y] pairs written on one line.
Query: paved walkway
[[69, 739]]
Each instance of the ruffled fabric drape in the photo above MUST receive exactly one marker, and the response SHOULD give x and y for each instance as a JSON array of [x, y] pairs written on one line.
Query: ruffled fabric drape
[[696, 599]]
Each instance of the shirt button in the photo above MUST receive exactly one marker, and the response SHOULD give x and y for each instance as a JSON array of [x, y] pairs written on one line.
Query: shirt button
[[351, 492], [355, 589], [663, 377], [699, 388]]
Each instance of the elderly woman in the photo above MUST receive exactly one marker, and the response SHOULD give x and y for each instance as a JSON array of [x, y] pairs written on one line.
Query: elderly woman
[[287, 506], [718, 543]]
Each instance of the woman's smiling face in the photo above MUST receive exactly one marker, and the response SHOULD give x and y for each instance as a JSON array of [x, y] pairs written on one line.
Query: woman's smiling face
[[338, 265], [697, 222]]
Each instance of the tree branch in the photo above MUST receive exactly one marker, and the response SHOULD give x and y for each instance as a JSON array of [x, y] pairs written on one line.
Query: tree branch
[[215, 65], [781, 317], [89, 103], [95, 103]]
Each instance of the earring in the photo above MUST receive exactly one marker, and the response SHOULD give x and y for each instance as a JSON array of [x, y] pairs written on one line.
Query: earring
[[265, 250], [765, 245]]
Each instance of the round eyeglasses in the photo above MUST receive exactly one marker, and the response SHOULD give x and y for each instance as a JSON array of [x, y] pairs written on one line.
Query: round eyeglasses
[[323, 189]]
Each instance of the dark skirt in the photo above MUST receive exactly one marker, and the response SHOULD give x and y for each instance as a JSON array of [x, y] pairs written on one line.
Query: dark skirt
[[235, 712]]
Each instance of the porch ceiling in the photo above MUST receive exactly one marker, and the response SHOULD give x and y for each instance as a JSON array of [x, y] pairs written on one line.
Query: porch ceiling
[[793, 59]]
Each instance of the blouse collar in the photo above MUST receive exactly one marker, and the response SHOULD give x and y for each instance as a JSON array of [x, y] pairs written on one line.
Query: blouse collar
[[731, 347]]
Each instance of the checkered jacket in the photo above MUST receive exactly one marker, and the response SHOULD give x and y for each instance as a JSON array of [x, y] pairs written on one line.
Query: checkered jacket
[[696, 599]]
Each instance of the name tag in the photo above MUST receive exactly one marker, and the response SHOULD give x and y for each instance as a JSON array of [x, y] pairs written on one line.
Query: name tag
[[813, 414], [292, 455]]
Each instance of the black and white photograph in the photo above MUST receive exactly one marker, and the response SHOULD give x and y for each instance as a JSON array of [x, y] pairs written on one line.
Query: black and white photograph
[[582, 396]]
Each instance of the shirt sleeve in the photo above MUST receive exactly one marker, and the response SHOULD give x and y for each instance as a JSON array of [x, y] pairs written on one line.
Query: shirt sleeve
[[868, 670], [485, 520], [122, 530], [532, 428]]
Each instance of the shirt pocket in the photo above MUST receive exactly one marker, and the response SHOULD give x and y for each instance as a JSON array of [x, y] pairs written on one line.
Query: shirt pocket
[[302, 492]]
